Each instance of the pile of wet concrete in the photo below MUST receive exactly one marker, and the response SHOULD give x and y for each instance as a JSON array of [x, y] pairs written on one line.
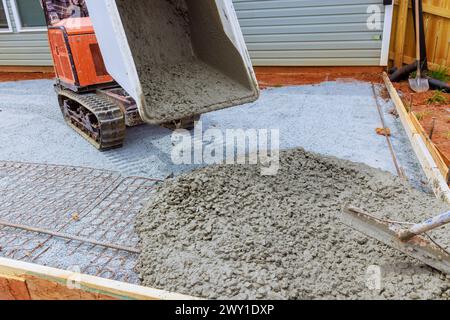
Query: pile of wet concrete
[[228, 232]]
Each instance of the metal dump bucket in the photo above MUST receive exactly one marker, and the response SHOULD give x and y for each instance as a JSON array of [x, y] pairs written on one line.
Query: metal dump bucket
[[176, 58]]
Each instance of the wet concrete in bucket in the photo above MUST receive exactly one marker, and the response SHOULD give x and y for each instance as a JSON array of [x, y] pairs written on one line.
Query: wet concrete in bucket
[[186, 62], [228, 232]]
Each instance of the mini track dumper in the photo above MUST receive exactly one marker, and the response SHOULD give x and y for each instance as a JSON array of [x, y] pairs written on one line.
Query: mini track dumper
[[121, 63]]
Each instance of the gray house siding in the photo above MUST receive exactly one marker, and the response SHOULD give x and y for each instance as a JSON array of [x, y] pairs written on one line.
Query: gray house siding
[[277, 32], [310, 32], [26, 48]]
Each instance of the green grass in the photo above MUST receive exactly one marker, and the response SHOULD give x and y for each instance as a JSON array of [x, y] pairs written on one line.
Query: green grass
[[437, 98], [407, 106], [441, 73], [421, 115]]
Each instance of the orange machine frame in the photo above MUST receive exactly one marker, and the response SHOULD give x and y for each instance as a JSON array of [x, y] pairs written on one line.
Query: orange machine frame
[[76, 54]]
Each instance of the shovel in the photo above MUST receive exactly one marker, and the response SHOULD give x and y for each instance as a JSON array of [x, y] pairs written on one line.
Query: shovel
[[418, 84]]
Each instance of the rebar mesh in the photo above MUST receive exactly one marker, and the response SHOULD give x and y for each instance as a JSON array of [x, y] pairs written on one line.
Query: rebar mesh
[[94, 204]]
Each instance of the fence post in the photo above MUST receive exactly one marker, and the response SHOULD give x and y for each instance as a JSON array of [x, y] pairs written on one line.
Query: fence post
[[400, 35]]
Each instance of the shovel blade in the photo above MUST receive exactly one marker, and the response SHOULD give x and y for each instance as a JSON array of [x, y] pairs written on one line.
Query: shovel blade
[[419, 85], [418, 247]]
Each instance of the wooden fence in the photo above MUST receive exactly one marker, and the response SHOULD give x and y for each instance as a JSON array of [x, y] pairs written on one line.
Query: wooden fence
[[437, 33]]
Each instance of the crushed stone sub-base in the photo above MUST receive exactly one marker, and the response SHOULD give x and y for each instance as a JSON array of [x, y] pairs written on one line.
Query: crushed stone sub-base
[[228, 232]]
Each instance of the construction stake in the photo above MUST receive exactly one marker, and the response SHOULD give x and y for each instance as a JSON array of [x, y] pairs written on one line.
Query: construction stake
[[432, 128]]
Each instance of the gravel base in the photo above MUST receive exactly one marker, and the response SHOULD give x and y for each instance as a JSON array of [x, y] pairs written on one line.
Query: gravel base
[[228, 232], [331, 118]]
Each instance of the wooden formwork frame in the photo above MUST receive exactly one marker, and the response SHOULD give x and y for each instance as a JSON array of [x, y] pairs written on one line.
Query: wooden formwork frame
[[434, 166], [26, 281]]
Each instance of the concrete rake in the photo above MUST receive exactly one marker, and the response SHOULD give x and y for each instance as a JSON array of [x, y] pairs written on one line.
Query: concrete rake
[[411, 240]]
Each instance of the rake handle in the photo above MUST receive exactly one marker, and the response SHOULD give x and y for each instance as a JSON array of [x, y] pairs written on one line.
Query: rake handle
[[425, 226]]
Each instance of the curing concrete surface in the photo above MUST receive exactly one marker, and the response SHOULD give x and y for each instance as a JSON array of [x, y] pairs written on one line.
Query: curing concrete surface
[[332, 118], [228, 232]]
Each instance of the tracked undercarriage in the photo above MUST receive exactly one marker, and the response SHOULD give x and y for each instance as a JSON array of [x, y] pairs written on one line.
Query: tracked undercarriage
[[94, 117], [101, 117]]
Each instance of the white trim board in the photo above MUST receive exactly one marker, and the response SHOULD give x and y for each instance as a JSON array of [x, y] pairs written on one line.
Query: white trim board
[[18, 21], [8, 19], [387, 31]]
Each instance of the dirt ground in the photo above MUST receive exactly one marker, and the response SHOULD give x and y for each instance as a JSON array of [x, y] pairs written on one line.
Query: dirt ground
[[267, 76], [288, 76], [426, 110], [18, 76]]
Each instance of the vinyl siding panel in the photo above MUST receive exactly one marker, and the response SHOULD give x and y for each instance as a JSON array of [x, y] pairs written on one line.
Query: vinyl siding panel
[[310, 33], [277, 32], [23, 48]]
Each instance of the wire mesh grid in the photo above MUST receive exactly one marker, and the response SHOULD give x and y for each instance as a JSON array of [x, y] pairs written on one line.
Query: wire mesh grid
[[84, 202]]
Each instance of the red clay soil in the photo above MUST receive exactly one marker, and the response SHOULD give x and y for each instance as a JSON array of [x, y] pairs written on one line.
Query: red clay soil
[[289, 76], [17, 76], [426, 111], [267, 76]]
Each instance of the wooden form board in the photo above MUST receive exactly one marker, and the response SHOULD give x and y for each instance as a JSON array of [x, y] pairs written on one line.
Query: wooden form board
[[421, 147], [437, 156], [26, 281], [13, 288]]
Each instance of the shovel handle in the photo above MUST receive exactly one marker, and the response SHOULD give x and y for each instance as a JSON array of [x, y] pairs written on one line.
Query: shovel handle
[[419, 69]]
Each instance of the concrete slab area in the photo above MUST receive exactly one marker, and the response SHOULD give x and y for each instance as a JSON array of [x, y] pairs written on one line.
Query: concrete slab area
[[332, 118]]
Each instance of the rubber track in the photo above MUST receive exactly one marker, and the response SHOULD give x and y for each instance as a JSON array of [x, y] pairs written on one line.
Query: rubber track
[[110, 118]]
